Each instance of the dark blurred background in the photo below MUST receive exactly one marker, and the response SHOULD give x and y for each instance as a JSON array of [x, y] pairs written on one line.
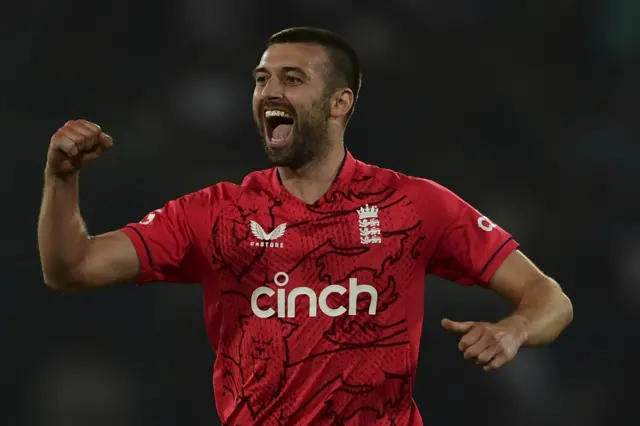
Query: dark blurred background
[[526, 109]]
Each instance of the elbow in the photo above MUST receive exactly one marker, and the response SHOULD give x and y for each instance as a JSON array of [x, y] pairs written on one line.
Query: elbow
[[566, 308], [562, 314], [558, 309], [559, 303], [62, 282], [61, 272], [49, 281], [58, 285]]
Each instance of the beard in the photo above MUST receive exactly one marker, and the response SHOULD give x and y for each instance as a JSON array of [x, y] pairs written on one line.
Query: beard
[[309, 135]]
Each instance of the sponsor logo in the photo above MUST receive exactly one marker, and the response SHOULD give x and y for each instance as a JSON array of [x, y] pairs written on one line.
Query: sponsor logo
[[150, 217], [286, 301], [267, 239], [485, 224]]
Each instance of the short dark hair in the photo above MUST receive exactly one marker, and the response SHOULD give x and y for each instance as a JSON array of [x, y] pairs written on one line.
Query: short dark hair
[[345, 69]]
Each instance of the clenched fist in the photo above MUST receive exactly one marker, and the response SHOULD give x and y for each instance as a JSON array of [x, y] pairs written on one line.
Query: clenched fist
[[490, 345], [75, 144]]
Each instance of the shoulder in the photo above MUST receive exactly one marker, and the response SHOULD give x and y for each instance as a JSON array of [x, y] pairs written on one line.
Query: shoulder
[[219, 192], [437, 205], [257, 180], [215, 197], [228, 191], [416, 188]]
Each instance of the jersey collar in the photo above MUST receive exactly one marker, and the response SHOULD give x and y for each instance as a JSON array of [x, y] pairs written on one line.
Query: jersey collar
[[342, 180]]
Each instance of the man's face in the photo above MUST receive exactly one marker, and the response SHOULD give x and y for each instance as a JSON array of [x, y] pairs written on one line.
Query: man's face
[[291, 104]]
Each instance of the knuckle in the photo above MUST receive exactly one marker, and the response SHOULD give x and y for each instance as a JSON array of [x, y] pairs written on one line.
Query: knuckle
[[85, 130], [69, 136], [59, 139], [68, 131], [90, 124], [78, 126], [72, 124]]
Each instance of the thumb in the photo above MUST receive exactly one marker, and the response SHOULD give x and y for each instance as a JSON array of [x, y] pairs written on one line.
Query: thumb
[[458, 327]]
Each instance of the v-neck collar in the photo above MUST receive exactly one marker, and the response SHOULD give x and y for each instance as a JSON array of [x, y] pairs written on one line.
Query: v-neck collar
[[341, 181]]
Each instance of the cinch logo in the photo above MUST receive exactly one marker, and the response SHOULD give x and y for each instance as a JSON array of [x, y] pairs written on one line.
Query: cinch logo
[[287, 302]]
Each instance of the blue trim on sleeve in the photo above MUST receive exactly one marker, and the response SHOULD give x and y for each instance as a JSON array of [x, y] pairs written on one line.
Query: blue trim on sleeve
[[494, 255], [146, 247]]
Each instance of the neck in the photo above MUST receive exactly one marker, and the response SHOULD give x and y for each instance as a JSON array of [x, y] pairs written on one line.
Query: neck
[[310, 182]]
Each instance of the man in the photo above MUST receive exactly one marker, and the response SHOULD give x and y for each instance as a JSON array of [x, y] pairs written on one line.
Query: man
[[312, 271]]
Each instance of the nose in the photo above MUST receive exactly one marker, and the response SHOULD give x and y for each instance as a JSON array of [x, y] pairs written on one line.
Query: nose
[[273, 90]]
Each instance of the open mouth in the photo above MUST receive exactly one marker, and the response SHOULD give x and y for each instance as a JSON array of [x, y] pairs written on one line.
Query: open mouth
[[279, 125]]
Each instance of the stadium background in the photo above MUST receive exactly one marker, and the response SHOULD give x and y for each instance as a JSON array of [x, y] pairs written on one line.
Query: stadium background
[[527, 109]]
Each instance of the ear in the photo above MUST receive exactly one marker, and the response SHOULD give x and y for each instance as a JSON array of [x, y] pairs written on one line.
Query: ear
[[341, 102]]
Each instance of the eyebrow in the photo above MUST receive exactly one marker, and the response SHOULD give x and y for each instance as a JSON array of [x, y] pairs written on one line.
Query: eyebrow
[[285, 69]]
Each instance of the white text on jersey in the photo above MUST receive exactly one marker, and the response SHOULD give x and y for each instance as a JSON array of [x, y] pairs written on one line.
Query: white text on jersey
[[485, 224], [266, 239], [287, 303]]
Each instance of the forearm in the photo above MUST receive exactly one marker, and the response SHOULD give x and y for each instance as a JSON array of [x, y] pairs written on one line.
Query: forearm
[[62, 234], [542, 314]]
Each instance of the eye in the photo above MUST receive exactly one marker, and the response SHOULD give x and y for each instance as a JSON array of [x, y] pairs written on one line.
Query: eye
[[261, 79], [290, 79]]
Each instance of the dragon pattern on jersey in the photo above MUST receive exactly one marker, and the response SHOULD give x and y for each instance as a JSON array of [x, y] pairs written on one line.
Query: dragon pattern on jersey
[[269, 356]]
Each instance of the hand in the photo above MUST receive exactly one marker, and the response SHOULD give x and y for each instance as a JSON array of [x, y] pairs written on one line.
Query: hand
[[489, 345], [75, 144]]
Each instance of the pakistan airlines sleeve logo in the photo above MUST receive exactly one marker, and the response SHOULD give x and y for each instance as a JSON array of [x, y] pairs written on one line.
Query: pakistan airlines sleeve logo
[[369, 225], [267, 239]]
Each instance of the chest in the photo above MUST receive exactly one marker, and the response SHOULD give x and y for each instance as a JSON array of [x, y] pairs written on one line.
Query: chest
[[258, 237]]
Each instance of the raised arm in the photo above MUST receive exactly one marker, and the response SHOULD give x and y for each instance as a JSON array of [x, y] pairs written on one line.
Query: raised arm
[[71, 259]]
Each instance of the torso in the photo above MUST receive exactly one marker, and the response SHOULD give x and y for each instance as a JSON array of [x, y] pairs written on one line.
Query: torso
[[315, 311]]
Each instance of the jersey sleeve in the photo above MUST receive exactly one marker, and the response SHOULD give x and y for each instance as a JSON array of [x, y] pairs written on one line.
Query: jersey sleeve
[[171, 242], [469, 247]]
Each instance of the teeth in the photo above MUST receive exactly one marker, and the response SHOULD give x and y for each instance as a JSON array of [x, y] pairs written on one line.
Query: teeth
[[276, 113]]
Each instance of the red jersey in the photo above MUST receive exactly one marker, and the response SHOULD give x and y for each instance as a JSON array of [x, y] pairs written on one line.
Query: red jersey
[[315, 311]]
